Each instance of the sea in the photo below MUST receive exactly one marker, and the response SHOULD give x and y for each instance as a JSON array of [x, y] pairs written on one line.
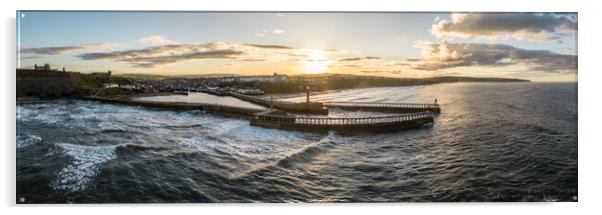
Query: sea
[[491, 142]]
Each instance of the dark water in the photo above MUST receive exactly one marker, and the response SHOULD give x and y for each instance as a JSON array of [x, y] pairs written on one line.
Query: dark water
[[492, 142]]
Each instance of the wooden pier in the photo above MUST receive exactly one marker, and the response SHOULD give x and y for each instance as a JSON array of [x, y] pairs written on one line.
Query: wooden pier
[[363, 124], [385, 107]]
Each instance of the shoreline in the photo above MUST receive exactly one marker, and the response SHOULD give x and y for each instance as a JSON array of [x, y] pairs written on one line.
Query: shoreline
[[34, 99]]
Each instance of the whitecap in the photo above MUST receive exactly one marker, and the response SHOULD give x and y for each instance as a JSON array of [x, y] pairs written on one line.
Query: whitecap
[[47, 115], [111, 126], [87, 161], [27, 140]]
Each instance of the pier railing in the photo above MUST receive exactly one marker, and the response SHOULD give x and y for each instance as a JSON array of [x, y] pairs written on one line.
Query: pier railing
[[343, 121], [382, 105], [257, 100], [301, 107]]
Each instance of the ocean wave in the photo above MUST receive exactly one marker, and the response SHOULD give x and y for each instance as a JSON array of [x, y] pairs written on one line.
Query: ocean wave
[[142, 146], [208, 144], [49, 116], [27, 140], [301, 156], [307, 153], [87, 161], [112, 127]]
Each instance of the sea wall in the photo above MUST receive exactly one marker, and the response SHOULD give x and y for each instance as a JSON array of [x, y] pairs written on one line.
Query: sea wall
[[218, 109]]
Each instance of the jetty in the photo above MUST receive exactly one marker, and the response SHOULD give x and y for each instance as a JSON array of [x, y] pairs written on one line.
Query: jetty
[[300, 107], [322, 107], [284, 121], [182, 106], [385, 107], [277, 114]]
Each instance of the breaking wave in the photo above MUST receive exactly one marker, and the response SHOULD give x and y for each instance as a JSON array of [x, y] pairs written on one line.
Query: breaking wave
[[27, 140], [87, 161]]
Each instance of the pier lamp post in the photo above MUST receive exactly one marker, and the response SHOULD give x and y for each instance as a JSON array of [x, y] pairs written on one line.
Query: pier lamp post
[[307, 88]]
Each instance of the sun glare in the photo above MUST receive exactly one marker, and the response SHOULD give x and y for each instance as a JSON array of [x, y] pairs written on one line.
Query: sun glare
[[314, 67], [316, 62]]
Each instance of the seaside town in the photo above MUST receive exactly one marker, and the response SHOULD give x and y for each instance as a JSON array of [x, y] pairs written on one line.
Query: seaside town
[[54, 83]]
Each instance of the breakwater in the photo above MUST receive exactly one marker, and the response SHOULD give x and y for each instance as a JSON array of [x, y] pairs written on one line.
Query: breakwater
[[347, 124], [300, 107], [278, 117], [184, 106]]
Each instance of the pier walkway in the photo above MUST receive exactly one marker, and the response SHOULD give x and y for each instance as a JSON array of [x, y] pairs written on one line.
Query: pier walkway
[[322, 107], [385, 107], [367, 124]]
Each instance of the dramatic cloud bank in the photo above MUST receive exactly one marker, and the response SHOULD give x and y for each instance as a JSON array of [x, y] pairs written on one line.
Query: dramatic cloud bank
[[159, 55], [62, 50], [530, 26], [448, 55], [168, 54]]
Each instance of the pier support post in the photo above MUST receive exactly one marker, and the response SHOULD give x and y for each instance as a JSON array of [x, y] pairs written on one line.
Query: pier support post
[[307, 88]]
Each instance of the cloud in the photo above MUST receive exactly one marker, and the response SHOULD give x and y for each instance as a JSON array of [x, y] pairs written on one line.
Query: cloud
[[168, 54], [298, 55], [62, 50], [394, 64], [278, 31], [523, 26], [268, 46], [359, 58], [259, 35], [156, 56], [156, 40], [348, 65], [253, 60], [448, 55], [382, 71]]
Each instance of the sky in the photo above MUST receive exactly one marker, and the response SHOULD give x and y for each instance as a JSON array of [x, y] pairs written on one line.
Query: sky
[[534, 46]]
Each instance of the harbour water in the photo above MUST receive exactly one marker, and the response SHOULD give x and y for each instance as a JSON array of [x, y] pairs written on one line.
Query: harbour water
[[205, 98], [491, 142]]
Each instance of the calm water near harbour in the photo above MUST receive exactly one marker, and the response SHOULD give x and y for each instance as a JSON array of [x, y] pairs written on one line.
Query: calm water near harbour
[[193, 97], [491, 142]]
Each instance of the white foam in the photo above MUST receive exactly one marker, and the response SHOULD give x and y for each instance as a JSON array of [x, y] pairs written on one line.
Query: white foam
[[204, 144], [27, 140], [42, 113], [86, 165], [110, 126]]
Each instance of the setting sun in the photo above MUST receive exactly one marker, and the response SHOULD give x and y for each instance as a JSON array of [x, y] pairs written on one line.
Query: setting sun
[[314, 67], [316, 62]]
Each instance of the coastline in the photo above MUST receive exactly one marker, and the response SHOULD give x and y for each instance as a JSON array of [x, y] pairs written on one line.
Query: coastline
[[35, 99]]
